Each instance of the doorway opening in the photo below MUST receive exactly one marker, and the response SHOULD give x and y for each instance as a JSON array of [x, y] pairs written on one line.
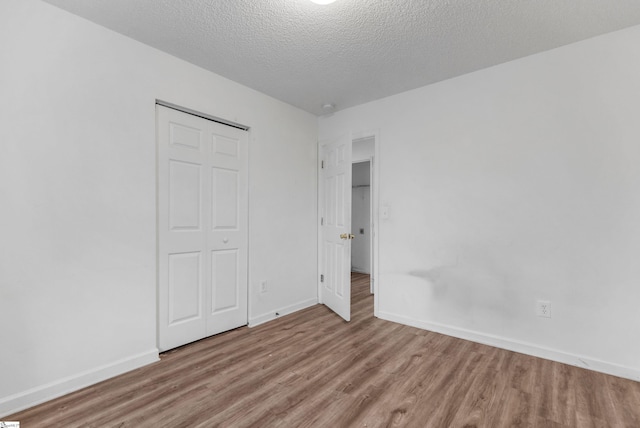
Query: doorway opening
[[336, 233], [362, 211], [361, 217]]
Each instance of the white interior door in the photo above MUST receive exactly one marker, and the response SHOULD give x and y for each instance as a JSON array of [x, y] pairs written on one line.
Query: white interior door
[[202, 227], [335, 229]]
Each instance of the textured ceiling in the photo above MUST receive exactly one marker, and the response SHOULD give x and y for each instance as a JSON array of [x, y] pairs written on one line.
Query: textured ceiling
[[353, 51]]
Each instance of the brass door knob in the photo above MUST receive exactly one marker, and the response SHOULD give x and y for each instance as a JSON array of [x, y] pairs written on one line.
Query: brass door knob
[[344, 236]]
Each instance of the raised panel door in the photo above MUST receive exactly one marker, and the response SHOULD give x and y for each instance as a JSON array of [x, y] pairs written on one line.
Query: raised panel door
[[202, 228], [335, 242]]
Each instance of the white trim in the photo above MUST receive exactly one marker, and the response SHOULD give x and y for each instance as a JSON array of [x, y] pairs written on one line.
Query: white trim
[[29, 398], [269, 316], [375, 203], [371, 209], [251, 292], [520, 347], [372, 225], [375, 167], [319, 188]]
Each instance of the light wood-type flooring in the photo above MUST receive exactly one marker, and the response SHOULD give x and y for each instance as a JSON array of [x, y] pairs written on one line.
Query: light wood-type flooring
[[311, 369]]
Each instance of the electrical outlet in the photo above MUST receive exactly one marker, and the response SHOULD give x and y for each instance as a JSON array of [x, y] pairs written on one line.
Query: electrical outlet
[[543, 308], [263, 286]]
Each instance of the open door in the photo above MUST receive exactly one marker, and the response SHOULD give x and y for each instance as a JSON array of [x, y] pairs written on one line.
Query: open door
[[335, 225]]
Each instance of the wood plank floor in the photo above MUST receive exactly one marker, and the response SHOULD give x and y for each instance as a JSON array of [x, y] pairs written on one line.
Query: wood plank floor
[[311, 369]]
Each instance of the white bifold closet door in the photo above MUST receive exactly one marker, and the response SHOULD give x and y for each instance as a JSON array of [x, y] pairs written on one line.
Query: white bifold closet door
[[202, 227]]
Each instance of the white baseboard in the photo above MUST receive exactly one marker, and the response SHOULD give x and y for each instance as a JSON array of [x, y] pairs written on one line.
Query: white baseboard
[[261, 319], [520, 347], [24, 400]]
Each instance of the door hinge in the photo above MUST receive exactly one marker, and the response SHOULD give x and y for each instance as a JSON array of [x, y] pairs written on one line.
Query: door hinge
[[321, 221], [321, 278], [322, 165]]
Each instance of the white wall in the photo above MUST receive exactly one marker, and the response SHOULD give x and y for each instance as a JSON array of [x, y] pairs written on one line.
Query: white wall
[[511, 184], [361, 218], [363, 149], [77, 188]]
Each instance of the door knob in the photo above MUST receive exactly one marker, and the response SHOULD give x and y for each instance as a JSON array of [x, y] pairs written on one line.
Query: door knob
[[344, 236]]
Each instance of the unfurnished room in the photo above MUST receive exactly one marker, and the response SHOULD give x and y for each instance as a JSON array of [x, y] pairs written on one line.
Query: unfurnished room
[[316, 213]]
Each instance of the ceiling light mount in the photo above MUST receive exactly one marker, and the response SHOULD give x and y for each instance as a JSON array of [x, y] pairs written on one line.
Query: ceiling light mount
[[323, 2], [328, 107]]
